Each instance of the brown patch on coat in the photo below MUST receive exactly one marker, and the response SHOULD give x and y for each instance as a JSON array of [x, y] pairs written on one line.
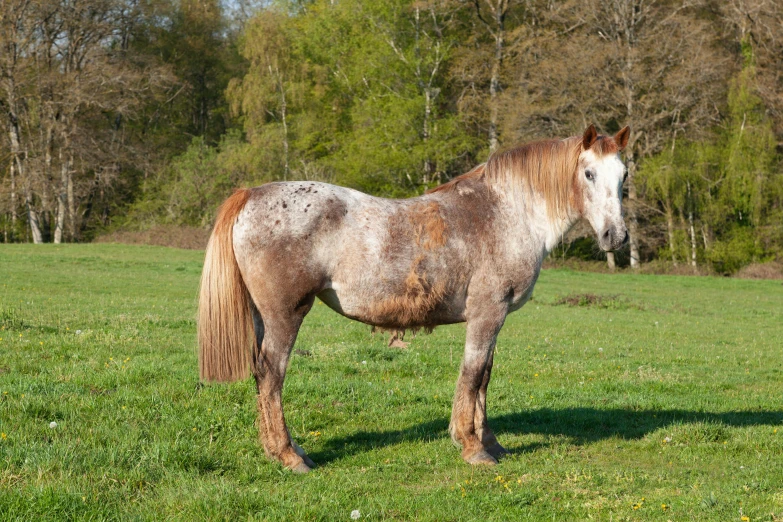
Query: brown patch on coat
[[413, 306], [429, 228]]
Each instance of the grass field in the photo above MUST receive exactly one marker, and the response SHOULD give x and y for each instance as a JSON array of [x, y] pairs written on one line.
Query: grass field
[[661, 398]]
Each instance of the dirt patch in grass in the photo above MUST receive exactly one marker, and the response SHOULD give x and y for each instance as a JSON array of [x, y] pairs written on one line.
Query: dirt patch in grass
[[191, 238], [597, 301]]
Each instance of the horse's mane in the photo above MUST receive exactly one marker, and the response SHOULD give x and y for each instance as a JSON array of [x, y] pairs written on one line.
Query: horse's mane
[[547, 167]]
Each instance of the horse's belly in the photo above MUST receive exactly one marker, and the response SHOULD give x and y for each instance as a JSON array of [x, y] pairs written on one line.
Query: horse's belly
[[424, 308]]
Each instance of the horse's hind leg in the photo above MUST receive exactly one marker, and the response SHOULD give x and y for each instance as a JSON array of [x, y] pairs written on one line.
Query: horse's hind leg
[[483, 432], [275, 336]]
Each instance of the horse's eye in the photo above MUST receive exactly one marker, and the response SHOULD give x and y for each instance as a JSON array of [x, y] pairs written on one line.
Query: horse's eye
[[589, 174]]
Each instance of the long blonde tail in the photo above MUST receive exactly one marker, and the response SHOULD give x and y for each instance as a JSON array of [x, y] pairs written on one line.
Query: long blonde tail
[[225, 323]]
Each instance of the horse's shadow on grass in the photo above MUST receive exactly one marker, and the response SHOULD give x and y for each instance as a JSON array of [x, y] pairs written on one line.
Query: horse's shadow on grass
[[579, 426]]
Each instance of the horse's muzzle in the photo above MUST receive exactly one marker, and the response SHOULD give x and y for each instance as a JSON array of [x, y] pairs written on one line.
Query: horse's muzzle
[[613, 238]]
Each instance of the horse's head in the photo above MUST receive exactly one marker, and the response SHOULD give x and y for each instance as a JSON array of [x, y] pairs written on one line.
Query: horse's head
[[601, 174]]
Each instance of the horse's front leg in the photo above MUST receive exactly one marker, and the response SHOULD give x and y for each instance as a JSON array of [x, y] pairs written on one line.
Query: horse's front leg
[[468, 415], [483, 431]]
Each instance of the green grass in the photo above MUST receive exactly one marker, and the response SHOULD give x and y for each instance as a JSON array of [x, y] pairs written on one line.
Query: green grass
[[655, 391]]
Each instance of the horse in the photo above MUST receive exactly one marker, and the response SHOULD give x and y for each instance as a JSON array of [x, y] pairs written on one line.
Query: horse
[[469, 250]]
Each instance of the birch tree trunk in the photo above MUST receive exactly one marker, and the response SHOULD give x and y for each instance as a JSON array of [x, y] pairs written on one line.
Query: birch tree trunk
[[278, 79], [17, 158], [71, 206], [14, 203], [691, 228], [428, 166], [65, 171], [283, 115], [497, 28], [47, 184], [670, 230], [494, 82], [32, 216], [633, 224]]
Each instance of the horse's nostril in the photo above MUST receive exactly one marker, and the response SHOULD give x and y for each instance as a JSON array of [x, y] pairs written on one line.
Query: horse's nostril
[[606, 234], [625, 239]]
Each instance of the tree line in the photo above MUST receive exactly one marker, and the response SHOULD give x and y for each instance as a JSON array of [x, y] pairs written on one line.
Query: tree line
[[129, 113]]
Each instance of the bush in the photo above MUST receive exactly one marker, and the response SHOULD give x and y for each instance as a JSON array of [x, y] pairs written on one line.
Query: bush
[[739, 247]]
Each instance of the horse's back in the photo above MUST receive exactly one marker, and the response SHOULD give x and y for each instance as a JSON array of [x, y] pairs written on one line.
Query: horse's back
[[298, 234], [380, 261]]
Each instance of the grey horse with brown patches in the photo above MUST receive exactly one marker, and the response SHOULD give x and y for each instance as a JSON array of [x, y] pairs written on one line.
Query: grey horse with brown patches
[[469, 250]]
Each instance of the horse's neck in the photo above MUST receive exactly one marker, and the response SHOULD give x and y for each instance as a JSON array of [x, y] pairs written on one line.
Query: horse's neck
[[534, 226]]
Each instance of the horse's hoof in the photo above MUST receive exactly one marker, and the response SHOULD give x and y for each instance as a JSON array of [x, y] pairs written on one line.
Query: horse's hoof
[[301, 468], [497, 451], [299, 451], [481, 458]]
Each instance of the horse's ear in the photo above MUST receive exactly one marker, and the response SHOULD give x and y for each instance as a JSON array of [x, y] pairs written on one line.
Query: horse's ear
[[621, 138], [589, 137]]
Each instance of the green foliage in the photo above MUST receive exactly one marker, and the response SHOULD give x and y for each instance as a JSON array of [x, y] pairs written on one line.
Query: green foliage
[[603, 409], [729, 183], [737, 248], [748, 152], [192, 187], [367, 110], [192, 37]]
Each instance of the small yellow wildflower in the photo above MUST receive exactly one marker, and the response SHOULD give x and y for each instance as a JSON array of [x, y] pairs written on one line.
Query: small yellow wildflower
[[3, 436], [536, 375], [664, 507], [745, 518], [194, 429]]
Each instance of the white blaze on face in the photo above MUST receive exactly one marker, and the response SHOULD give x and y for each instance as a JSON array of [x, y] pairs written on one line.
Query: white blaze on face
[[602, 189]]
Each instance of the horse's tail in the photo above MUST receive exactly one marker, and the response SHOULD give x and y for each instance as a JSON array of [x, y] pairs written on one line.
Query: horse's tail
[[225, 322]]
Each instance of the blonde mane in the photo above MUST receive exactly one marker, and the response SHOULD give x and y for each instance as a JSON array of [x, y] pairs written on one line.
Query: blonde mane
[[546, 167]]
